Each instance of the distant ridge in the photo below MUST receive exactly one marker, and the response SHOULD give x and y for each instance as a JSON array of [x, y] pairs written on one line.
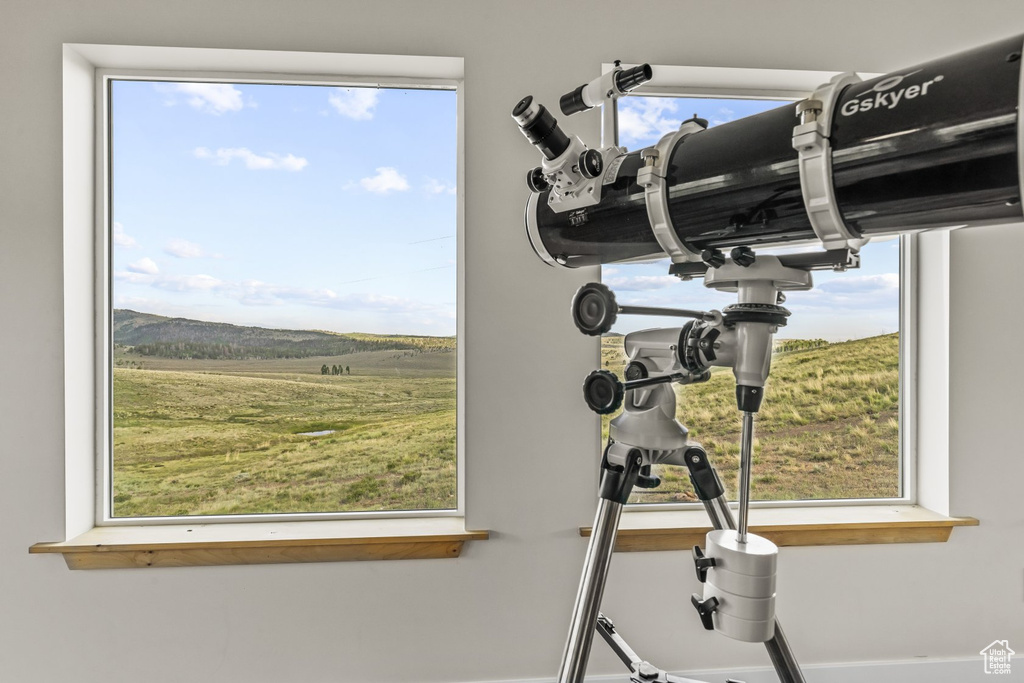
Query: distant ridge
[[156, 335]]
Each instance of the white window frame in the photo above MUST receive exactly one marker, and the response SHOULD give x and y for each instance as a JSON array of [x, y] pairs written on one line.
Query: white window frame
[[87, 252], [780, 84]]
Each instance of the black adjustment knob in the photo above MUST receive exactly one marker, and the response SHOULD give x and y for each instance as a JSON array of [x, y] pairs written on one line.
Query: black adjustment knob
[[713, 258], [536, 181], [603, 392], [594, 309], [646, 480], [705, 608], [743, 256], [702, 563], [636, 370], [591, 163]]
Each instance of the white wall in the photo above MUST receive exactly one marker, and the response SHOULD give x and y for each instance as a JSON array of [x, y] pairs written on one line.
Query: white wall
[[500, 611]]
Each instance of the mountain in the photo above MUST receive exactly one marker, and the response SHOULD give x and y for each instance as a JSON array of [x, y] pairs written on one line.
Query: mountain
[[156, 335]]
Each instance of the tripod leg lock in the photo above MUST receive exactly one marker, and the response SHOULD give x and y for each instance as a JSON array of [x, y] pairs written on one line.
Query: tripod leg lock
[[617, 480], [705, 479]]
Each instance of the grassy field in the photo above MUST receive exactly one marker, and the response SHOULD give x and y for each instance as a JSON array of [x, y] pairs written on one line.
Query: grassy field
[[225, 437], [203, 437], [828, 428]]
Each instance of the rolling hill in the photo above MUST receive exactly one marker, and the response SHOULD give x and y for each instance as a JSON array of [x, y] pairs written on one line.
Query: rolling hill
[[145, 334]]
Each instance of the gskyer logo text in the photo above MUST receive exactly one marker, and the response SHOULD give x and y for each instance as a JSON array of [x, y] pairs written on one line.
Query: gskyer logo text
[[885, 95]]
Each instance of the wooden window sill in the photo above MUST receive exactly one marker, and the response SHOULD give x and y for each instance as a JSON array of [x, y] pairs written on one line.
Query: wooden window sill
[[180, 545], [833, 525]]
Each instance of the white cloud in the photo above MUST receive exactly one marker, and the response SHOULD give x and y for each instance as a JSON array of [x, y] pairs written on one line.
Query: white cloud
[[387, 180], [134, 278], [257, 293], [212, 98], [875, 295], [636, 283], [723, 115], [644, 118], [253, 161], [434, 186], [355, 103], [861, 284], [190, 283], [144, 266], [121, 239], [184, 249]]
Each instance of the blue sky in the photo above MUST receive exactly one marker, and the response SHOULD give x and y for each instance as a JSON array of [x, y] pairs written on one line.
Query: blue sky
[[852, 305], [285, 206]]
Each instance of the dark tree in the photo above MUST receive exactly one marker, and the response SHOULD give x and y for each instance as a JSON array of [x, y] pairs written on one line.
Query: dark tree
[[323, 369], [348, 370]]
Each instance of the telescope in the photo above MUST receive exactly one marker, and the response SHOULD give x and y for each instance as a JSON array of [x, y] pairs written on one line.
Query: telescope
[[935, 146]]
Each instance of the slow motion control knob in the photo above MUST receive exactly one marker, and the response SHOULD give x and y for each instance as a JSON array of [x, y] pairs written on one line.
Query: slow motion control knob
[[594, 309], [603, 392]]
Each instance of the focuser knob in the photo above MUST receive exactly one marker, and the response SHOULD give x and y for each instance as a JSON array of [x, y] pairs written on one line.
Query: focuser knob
[[536, 181], [591, 163]]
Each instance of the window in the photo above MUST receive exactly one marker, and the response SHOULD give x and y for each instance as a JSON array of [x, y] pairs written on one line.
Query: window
[[280, 299], [833, 426]]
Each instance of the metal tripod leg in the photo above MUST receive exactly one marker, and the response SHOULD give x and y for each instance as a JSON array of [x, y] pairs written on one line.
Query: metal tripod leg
[[711, 493], [616, 484]]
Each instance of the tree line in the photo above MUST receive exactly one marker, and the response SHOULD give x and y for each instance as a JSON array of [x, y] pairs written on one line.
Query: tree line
[[187, 350], [334, 370]]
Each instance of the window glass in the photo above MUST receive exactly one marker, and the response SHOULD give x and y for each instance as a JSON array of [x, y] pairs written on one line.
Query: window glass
[[282, 298], [829, 426]]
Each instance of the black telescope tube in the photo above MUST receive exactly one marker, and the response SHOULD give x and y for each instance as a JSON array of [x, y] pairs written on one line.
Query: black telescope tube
[[931, 146]]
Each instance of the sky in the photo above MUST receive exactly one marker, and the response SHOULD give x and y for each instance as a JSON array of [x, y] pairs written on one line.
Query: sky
[[860, 303], [303, 207]]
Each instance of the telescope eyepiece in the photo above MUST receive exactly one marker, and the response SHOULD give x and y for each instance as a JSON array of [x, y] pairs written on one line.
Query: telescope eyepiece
[[540, 127], [572, 102], [630, 79], [524, 111]]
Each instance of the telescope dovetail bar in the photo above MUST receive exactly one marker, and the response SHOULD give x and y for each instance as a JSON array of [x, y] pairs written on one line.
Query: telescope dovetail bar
[[934, 146]]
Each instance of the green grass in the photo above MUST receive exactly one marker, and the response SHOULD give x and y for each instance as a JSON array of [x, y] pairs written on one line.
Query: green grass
[[828, 427], [204, 443], [204, 437]]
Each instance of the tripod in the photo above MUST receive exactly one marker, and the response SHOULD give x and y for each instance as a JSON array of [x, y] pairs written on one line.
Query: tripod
[[738, 568]]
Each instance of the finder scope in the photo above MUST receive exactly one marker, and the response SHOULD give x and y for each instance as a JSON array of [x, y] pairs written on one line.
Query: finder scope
[[589, 95], [936, 145]]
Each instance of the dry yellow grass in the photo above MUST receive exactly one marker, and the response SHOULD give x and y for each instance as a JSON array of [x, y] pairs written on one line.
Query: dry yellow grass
[[828, 428]]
